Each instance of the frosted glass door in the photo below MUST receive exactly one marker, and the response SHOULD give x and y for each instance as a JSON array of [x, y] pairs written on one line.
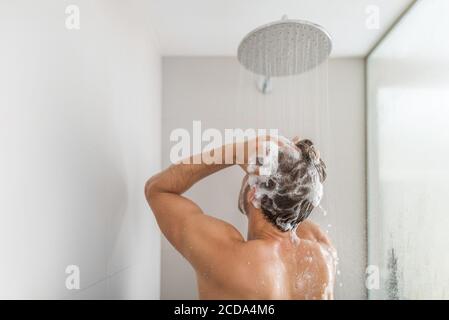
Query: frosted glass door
[[408, 156]]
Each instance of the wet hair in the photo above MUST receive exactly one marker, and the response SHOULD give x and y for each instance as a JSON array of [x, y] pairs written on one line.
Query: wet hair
[[288, 195]]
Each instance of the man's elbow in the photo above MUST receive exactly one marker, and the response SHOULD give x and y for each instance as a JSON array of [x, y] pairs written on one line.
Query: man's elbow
[[151, 187]]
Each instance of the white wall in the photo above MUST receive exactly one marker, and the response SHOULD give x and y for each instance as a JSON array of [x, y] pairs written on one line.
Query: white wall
[[408, 99], [79, 135], [206, 89]]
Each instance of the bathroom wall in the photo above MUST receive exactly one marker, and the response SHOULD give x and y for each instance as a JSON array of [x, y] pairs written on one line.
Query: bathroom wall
[[206, 89], [79, 135]]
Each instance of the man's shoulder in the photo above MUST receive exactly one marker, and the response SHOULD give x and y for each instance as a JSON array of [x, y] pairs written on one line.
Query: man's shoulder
[[309, 230]]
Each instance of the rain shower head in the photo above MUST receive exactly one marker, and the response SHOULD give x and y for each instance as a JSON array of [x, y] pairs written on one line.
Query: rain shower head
[[285, 47]]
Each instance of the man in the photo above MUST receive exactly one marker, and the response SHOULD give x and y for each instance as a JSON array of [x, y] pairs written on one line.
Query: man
[[284, 256]]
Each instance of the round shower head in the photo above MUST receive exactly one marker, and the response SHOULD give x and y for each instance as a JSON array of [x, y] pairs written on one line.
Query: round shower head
[[284, 48]]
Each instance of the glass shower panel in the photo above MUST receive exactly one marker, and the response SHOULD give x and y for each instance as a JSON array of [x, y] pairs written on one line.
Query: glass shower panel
[[408, 156]]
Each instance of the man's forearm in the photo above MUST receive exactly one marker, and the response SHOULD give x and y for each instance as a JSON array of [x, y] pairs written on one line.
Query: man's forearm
[[178, 178]]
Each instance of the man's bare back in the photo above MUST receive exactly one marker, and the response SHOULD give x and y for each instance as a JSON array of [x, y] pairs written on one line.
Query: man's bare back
[[296, 267]]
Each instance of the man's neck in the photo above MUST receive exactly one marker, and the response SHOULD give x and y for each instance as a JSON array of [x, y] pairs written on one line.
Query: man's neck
[[260, 228]]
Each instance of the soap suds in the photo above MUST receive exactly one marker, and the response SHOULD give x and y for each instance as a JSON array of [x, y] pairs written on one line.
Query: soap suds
[[293, 236], [282, 172]]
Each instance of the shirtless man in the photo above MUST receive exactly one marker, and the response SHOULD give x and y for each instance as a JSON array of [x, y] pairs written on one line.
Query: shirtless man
[[284, 256]]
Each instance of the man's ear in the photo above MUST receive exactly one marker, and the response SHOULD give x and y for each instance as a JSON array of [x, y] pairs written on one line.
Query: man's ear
[[251, 197]]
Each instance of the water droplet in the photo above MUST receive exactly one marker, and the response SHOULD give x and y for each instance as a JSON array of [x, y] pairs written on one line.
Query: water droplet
[[322, 210]]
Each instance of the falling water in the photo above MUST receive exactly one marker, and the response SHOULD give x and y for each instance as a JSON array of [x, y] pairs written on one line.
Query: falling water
[[298, 104]]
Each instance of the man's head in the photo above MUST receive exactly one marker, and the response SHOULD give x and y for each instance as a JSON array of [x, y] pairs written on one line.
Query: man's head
[[288, 195]]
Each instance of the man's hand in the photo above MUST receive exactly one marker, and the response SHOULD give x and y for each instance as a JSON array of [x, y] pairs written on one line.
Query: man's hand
[[258, 148]]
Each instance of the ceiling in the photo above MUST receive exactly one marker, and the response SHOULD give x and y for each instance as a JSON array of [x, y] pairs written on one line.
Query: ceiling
[[215, 27]]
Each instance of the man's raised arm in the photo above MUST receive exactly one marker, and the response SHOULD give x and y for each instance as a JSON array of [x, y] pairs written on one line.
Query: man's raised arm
[[180, 219]]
